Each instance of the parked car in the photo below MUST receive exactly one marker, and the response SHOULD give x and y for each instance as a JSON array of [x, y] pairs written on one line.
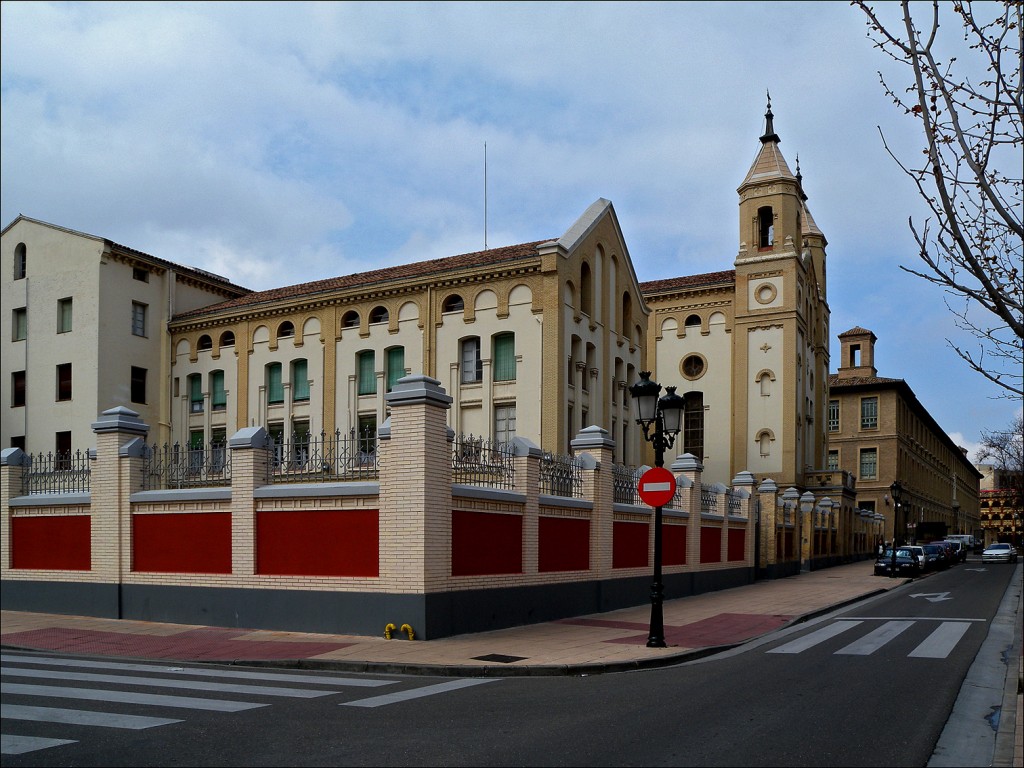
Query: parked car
[[906, 563], [919, 554], [951, 558], [959, 549], [999, 552], [937, 560]]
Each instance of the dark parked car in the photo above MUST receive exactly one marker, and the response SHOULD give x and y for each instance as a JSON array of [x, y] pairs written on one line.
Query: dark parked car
[[959, 549], [906, 563], [937, 559]]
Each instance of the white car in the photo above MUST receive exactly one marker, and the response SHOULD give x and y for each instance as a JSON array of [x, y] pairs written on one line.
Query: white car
[[999, 553]]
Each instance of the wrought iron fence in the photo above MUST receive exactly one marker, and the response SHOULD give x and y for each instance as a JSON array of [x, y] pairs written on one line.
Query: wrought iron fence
[[624, 482], [708, 499], [561, 475], [171, 467], [308, 458], [476, 461], [734, 502], [57, 473]]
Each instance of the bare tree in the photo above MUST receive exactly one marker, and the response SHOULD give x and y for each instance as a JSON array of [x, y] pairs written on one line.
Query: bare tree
[[970, 172], [1005, 448]]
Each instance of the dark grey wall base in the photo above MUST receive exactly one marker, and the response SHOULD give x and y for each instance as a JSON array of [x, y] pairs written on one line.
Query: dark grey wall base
[[431, 616]]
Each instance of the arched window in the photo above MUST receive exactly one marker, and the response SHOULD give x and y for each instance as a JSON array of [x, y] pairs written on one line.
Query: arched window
[[693, 321], [20, 261], [286, 329], [627, 313], [765, 227], [227, 339], [765, 379], [764, 442], [586, 290], [350, 319], [693, 424], [379, 315], [453, 303], [205, 342], [275, 387]]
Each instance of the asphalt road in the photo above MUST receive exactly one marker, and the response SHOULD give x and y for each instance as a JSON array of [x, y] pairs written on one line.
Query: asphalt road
[[873, 684]]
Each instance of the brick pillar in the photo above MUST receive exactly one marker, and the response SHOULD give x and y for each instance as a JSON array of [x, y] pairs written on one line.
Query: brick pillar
[[527, 482], [767, 492], [11, 471], [688, 471], [596, 447], [743, 487], [416, 489], [120, 436], [250, 469]]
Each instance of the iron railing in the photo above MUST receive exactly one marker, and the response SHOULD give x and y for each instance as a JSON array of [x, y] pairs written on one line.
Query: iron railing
[[476, 461], [708, 499], [57, 473], [625, 483], [561, 475], [734, 502], [306, 458], [171, 467]]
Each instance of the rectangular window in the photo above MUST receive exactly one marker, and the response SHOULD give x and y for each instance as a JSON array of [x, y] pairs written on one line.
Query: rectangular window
[[19, 324], [17, 389], [64, 381], [62, 449], [218, 449], [138, 273], [472, 367], [367, 439], [833, 415], [275, 387], [195, 393], [396, 366], [138, 384], [138, 319], [833, 460], [504, 423], [869, 413], [195, 451], [367, 384], [868, 463], [218, 397], [64, 316], [505, 357], [300, 381]]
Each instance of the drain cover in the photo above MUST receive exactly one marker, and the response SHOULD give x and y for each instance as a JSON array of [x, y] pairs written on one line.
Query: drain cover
[[500, 658]]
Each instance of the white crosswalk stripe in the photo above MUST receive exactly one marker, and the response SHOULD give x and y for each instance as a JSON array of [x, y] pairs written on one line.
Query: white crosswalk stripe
[[939, 643], [221, 683]]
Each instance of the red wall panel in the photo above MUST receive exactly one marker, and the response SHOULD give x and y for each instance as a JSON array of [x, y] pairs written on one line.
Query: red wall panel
[[673, 544], [182, 542], [57, 543], [710, 545], [564, 544], [318, 543], [737, 543], [629, 544], [484, 543]]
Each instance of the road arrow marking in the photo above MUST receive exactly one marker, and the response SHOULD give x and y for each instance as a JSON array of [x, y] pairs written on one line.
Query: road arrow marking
[[933, 597], [976, 570]]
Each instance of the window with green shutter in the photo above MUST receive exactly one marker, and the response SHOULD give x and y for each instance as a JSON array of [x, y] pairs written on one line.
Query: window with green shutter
[[396, 365], [505, 357], [275, 388], [218, 397], [367, 384], [300, 381], [195, 393]]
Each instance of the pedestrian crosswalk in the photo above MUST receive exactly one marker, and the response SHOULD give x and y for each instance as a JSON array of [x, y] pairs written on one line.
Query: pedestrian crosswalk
[[937, 642], [31, 685]]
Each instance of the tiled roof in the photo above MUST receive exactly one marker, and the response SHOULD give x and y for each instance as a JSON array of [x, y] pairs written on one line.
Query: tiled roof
[[860, 381], [856, 331], [689, 281], [769, 164], [419, 269]]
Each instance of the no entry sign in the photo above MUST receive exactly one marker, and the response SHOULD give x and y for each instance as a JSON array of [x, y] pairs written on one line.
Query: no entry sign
[[657, 486]]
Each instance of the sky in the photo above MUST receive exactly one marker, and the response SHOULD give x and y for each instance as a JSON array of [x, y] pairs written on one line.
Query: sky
[[280, 143]]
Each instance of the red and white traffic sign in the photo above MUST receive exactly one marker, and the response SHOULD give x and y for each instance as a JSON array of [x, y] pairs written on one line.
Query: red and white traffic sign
[[657, 486]]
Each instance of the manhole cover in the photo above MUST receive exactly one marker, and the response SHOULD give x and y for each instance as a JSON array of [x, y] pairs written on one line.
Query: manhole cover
[[500, 658]]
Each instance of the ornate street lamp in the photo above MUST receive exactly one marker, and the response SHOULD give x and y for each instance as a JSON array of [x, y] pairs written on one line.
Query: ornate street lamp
[[897, 493], [665, 416]]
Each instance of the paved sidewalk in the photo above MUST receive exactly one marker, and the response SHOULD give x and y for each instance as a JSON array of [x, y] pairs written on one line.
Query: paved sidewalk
[[600, 642]]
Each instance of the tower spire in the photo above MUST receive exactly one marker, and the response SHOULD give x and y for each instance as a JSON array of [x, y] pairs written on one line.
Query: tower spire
[[769, 126]]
